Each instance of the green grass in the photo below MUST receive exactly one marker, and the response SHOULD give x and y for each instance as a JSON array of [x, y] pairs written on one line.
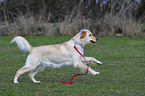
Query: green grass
[[121, 74]]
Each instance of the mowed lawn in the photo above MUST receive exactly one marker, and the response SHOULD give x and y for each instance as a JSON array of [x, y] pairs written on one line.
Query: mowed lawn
[[121, 74]]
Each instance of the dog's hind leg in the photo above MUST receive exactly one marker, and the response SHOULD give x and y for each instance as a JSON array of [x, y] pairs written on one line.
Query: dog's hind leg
[[34, 72], [22, 71], [31, 63]]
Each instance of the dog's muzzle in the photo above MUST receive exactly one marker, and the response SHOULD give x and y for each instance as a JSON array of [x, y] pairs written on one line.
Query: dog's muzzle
[[94, 41]]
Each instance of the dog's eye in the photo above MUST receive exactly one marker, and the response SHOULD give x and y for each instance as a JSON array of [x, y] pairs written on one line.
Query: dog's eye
[[90, 34]]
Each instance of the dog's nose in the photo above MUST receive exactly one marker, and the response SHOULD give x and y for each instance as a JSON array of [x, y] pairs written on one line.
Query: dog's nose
[[96, 39]]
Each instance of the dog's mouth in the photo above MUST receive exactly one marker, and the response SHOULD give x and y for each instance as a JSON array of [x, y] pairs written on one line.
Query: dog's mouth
[[91, 41]]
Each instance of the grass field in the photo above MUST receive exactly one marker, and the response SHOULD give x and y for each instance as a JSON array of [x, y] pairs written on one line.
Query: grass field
[[121, 74]]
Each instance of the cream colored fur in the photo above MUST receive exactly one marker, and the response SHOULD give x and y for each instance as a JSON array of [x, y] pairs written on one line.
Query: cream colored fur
[[55, 55]]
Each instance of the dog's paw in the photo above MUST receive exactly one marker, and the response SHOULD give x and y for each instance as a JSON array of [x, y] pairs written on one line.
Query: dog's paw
[[100, 63], [37, 81], [96, 73], [16, 82]]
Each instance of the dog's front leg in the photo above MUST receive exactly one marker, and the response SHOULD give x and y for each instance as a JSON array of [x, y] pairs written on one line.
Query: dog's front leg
[[92, 59], [83, 66]]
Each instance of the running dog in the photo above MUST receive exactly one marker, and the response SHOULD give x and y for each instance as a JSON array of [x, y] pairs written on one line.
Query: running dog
[[55, 55]]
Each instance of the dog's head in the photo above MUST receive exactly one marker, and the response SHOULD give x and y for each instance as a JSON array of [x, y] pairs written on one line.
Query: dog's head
[[86, 37]]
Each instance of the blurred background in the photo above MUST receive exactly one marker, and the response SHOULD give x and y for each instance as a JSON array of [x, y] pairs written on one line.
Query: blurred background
[[105, 18]]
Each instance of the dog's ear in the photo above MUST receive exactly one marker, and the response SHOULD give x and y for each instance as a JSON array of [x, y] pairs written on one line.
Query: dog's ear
[[83, 34]]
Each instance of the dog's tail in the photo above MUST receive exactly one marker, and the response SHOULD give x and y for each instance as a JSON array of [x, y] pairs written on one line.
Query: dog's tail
[[22, 44]]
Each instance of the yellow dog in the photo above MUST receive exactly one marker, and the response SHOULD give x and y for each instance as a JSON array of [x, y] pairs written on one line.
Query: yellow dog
[[55, 55]]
